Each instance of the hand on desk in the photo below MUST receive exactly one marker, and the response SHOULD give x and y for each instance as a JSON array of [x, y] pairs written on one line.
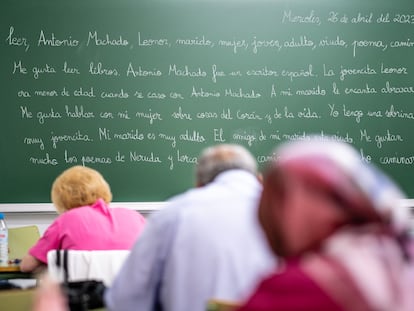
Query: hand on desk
[[31, 264]]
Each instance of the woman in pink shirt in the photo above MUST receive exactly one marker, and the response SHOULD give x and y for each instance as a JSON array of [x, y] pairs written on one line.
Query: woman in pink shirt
[[86, 222]]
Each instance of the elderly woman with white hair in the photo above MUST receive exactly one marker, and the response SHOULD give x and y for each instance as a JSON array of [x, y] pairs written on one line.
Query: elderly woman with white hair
[[86, 221], [335, 223]]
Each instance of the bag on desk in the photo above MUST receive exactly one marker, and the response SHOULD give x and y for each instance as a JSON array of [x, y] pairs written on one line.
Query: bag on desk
[[81, 295]]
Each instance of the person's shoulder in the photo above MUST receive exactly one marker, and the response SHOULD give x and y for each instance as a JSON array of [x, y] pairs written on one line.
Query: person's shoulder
[[128, 213], [71, 213], [173, 208], [180, 202], [82, 211], [239, 176], [281, 290]]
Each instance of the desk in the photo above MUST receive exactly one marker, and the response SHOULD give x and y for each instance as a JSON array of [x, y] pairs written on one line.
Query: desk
[[17, 299], [12, 271], [9, 268]]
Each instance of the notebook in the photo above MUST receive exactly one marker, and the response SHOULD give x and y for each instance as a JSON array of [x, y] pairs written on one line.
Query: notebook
[[21, 239]]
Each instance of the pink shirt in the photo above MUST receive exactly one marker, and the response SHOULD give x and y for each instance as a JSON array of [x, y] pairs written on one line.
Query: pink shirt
[[95, 227]]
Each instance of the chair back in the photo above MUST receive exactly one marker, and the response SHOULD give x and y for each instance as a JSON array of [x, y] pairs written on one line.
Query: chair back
[[101, 265], [21, 239]]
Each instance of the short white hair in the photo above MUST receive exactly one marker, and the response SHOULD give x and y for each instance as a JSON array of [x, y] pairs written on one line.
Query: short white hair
[[219, 158]]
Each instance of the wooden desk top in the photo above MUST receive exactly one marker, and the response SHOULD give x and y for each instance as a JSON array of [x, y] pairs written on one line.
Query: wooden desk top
[[12, 271], [10, 268]]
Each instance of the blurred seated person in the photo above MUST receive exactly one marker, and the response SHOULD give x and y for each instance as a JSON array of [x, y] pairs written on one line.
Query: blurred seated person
[[86, 222], [49, 296], [206, 243], [336, 223]]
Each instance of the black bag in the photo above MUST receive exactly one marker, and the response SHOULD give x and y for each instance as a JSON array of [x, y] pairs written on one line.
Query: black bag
[[81, 295]]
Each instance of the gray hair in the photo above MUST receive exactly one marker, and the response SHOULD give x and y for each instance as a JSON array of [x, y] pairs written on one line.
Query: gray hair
[[216, 159]]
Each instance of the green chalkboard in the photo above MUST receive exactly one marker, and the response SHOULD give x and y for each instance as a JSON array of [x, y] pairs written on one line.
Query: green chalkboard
[[136, 88]]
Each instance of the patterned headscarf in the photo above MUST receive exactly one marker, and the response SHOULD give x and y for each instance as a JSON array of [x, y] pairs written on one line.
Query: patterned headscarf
[[341, 167]]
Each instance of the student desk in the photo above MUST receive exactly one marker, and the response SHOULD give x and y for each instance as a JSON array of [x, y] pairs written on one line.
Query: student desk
[[9, 268], [17, 299], [21, 300], [13, 272]]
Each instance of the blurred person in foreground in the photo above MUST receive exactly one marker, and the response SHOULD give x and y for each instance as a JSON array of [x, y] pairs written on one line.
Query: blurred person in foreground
[[206, 243], [82, 196], [48, 296], [336, 223]]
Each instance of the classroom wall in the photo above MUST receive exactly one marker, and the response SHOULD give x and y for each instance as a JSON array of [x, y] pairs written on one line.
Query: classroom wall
[[41, 220], [44, 219]]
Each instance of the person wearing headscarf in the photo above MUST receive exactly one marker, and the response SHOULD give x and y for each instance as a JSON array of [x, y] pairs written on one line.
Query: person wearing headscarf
[[336, 225]]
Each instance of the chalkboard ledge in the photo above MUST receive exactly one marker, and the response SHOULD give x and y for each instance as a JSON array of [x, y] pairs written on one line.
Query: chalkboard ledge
[[145, 207]]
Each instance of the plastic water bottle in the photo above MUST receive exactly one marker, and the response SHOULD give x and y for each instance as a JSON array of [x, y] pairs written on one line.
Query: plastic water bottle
[[4, 242]]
